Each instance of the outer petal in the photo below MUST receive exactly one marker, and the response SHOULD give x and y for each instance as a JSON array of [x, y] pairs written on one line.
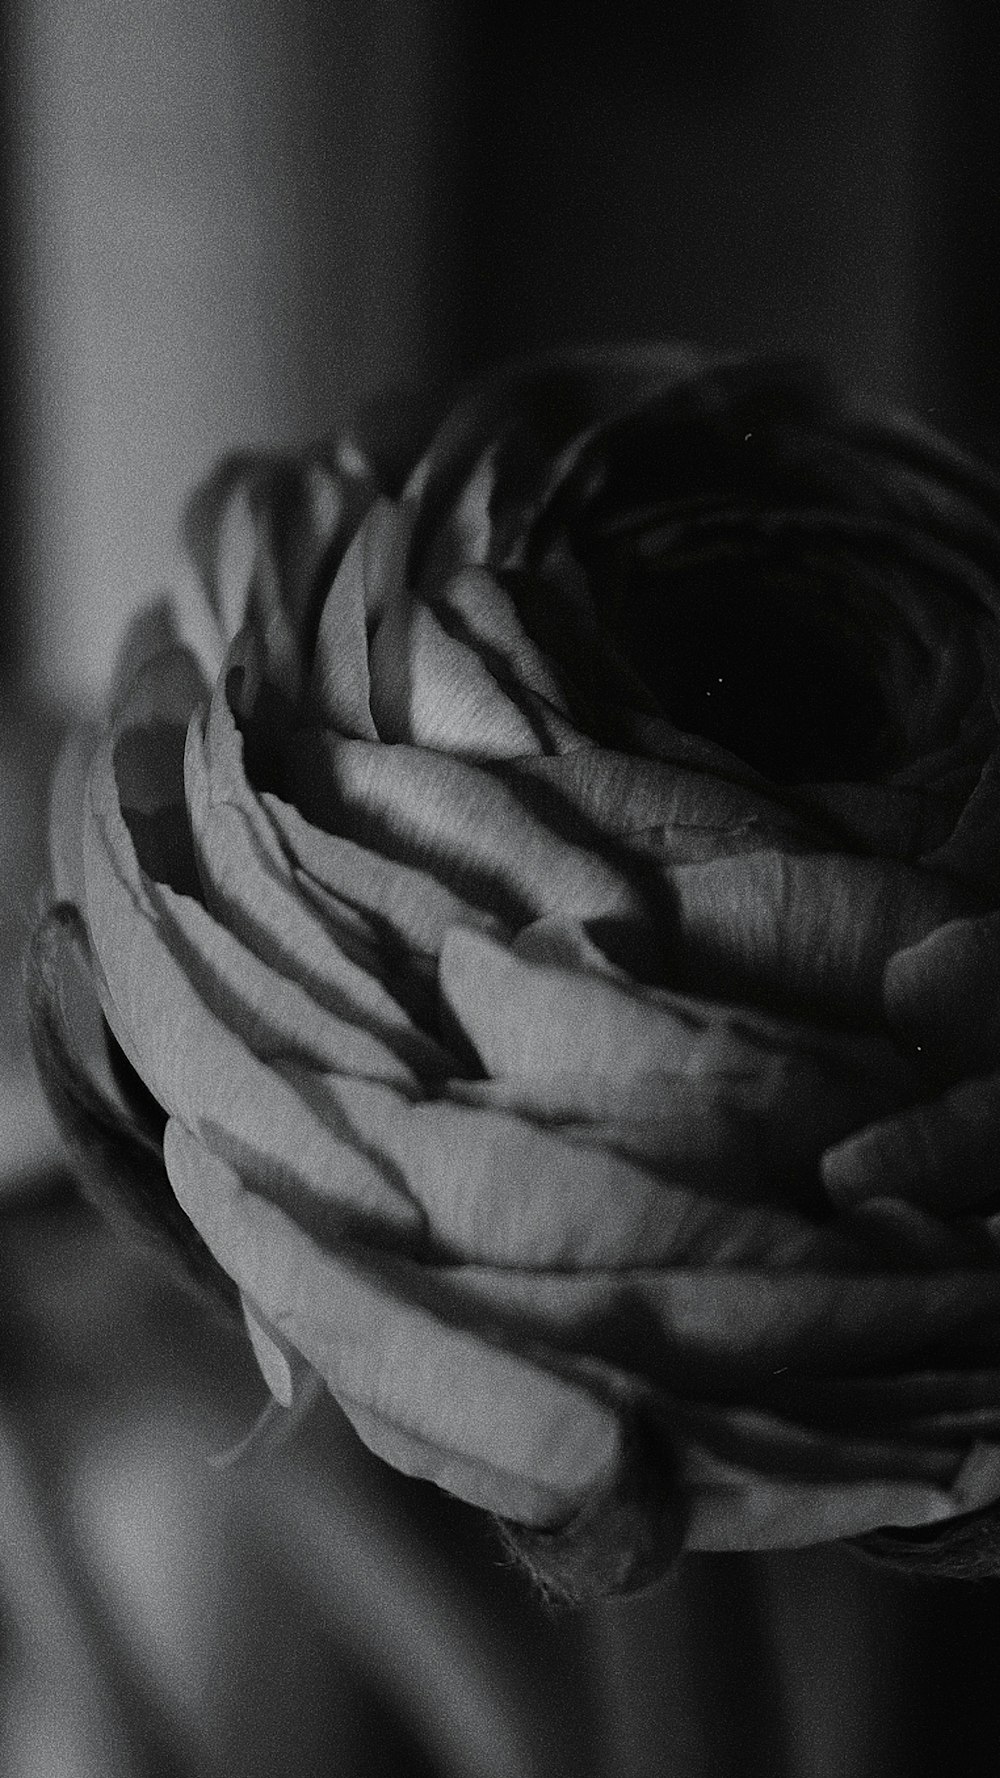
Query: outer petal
[[493, 1427], [273, 1013], [811, 932], [738, 1508], [67, 801], [451, 1376], [660, 809], [460, 822], [538, 1021], [404, 908], [748, 1332], [146, 746], [145, 752], [943, 996], [694, 1086], [370, 577], [501, 1190], [814, 932], [194, 1063], [432, 687], [252, 888], [266, 533], [276, 1362], [270, 1012], [152, 633]]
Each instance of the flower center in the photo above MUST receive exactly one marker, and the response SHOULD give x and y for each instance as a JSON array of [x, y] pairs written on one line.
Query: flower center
[[772, 660]]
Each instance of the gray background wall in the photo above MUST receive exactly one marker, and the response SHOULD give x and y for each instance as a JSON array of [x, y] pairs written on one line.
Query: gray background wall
[[228, 221]]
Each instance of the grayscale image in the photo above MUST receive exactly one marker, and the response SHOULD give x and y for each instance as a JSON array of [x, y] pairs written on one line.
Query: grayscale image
[[500, 921]]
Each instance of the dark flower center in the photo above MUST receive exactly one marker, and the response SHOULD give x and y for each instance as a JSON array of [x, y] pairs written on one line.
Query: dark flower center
[[767, 659], [790, 591]]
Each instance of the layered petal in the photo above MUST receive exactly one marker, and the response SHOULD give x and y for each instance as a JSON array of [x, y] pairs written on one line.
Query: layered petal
[[469, 1379], [563, 944], [943, 996], [266, 534], [250, 884], [523, 419], [185, 1014], [438, 1400]]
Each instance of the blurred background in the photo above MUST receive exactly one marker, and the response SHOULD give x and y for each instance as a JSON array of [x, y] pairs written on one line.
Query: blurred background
[[231, 223]]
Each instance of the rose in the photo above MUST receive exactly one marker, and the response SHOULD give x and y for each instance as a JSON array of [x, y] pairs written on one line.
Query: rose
[[500, 914]]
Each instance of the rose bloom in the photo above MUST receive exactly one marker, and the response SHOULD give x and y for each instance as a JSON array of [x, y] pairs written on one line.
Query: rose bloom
[[541, 928]]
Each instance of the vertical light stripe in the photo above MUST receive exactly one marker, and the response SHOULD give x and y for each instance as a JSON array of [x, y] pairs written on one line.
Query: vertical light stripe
[[228, 211]]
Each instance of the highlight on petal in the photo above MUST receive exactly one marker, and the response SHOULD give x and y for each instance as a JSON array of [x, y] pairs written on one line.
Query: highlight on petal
[[655, 809], [458, 674], [695, 1087], [431, 690], [277, 1360], [475, 1170], [266, 534], [815, 932], [198, 1066], [369, 581], [252, 889], [405, 910], [530, 1019], [490, 1425], [478, 610], [272, 1013], [787, 1332], [463, 823]]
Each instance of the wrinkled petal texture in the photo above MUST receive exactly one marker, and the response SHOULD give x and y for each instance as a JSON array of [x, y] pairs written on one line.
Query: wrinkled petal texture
[[529, 906]]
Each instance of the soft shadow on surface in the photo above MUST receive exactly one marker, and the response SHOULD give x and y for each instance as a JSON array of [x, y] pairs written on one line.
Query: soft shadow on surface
[[308, 1608]]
